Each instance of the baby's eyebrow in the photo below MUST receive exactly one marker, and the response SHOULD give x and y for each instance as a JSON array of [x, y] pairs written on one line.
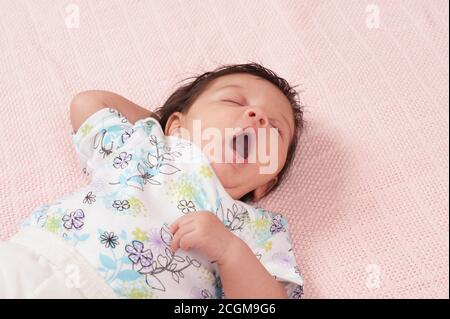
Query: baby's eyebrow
[[229, 86]]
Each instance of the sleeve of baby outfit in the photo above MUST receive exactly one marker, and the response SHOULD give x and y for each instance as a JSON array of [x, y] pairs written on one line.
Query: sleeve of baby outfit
[[274, 250], [99, 135]]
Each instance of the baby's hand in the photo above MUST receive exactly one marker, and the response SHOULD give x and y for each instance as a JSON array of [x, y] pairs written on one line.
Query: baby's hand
[[205, 232]]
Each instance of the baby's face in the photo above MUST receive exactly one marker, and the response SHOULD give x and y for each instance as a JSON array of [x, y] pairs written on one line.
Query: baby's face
[[241, 101]]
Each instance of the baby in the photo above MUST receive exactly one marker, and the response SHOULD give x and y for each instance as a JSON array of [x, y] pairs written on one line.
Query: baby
[[165, 215]]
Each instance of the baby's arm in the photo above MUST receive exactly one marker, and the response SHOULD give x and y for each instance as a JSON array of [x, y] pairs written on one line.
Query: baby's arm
[[86, 103], [241, 273], [243, 276]]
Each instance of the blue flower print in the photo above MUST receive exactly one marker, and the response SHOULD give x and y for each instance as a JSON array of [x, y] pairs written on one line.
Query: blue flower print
[[150, 165], [128, 132]]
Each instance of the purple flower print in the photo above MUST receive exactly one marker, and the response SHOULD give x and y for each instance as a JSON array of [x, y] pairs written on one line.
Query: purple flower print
[[283, 259], [297, 293], [74, 219], [156, 243], [122, 160], [198, 293], [277, 226], [138, 255]]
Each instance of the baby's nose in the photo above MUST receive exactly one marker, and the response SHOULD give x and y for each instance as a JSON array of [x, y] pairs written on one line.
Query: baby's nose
[[257, 117]]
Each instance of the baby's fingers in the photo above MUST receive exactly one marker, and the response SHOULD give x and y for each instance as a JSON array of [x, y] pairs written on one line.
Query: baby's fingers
[[183, 220], [180, 233], [189, 240]]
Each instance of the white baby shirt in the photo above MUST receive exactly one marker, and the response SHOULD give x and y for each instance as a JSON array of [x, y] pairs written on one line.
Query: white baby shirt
[[141, 182]]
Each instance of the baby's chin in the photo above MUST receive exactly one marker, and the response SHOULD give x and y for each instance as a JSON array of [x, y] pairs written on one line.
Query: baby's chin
[[233, 179], [227, 173]]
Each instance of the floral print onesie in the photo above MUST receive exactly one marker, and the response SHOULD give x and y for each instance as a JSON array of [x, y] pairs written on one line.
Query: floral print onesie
[[141, 182]]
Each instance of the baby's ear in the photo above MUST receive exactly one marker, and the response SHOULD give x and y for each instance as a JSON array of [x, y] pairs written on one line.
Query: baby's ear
[[264, 189], [173, 123]]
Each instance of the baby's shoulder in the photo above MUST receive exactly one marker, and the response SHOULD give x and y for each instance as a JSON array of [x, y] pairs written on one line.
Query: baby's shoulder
[[150, 125], [257, 212]]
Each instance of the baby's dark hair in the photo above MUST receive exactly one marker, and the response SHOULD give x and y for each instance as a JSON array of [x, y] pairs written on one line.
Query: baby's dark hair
[[184, 96]]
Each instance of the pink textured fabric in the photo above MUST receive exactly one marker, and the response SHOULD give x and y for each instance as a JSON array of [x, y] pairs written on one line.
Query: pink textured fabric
[[367, 197]]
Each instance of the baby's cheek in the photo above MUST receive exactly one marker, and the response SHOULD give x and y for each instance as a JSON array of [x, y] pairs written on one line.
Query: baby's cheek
[[279, 155]]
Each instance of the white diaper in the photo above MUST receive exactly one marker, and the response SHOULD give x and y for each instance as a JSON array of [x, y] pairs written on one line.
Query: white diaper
[[36, 264]]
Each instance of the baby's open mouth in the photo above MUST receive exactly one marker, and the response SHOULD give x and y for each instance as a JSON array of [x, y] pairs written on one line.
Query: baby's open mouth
[[241, 144]]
